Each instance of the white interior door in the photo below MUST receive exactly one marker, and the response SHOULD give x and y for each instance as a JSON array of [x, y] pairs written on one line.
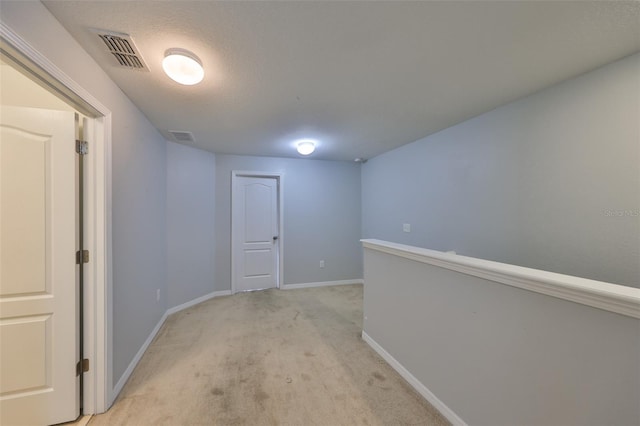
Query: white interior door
[[255, 233], [38, 316]]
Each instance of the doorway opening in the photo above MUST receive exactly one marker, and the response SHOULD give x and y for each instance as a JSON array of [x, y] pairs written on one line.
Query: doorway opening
[[44, 90], [256, 231]]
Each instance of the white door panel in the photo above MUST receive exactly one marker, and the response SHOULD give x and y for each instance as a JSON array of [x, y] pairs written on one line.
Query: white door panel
[[257, 262], [38, 324], [30, 355], [23, 195], [254, 226], [257, 212]]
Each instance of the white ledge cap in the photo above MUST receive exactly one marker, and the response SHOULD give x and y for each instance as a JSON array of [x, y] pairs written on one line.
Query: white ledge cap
[[616, 298]]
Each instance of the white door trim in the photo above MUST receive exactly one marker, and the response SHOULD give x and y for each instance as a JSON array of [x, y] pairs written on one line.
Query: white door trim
[[98, 301], [279, 176]]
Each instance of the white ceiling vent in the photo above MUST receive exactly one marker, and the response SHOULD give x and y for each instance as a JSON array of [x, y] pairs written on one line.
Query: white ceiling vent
[[122, 49], [182, 136]]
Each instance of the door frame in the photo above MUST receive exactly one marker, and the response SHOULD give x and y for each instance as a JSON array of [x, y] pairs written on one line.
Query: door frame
[[279, 177], [98, 335]]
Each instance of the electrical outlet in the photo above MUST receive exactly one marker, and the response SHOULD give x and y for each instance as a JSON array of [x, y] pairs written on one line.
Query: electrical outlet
[[157, 295], [322, 263], [406, 227]]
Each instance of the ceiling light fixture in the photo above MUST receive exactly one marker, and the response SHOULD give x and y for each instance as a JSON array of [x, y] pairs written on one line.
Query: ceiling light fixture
[[305, 146], [183, 66]]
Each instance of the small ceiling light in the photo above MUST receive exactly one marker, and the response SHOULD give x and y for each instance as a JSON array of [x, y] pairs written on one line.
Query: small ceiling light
[[183, 66], [306, 146]]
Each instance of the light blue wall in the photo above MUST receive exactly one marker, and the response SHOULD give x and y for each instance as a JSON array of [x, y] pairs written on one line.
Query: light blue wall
[[139, 235], [321, 217], [190, 223], [529, 183], [138, 184], [551, 181], [495, 354]]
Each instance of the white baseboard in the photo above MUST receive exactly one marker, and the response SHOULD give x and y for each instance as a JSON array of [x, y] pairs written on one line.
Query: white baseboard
[[413, 381], [198, 300], [136, 359], [321, 284]]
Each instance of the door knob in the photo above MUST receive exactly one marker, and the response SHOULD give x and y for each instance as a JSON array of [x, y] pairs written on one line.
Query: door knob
[[275, 238]]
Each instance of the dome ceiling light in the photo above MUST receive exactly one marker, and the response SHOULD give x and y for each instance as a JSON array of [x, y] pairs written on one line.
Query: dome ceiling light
[[183, 66], [306, 146]]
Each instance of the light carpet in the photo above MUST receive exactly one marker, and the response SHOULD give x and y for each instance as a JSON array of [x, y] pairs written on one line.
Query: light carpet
[[271, 357]]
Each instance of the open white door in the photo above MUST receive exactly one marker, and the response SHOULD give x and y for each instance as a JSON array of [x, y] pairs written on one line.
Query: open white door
[[255, 233], [38, 316]]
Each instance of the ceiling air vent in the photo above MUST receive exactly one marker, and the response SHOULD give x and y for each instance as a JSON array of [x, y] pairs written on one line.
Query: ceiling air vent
[[182, 136], [123, 50]]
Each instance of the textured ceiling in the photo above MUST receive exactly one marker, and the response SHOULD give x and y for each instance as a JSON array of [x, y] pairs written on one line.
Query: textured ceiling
[[361, 77]]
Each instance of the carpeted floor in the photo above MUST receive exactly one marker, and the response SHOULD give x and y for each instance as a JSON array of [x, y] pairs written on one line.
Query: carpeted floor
[[272, 357]]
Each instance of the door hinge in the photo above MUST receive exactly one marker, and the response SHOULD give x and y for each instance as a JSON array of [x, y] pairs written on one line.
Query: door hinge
[[82, 147], [82, 366], [82, 257]]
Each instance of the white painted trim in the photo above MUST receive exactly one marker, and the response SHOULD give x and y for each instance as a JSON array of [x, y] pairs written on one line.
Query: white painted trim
[[616, 298], [104, 268], [414, 382], [322, 284], [63, 82], [198, 300], [279, 176], [98, 218], [136, 359], [280, 229]]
